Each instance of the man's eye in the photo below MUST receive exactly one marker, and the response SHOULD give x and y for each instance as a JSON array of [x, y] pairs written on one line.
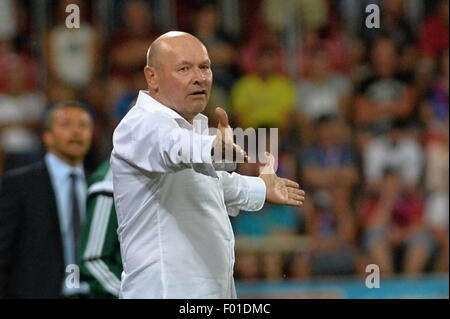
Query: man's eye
[[205, 67], [184, 68]]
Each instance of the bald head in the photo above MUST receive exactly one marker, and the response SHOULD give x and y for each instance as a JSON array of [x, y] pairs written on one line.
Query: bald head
[[178, 73], [164, 44]]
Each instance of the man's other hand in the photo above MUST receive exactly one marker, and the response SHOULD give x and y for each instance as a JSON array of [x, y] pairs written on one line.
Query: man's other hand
[[279, 190]]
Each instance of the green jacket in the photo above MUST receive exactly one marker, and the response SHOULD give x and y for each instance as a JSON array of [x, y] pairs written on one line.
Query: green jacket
[[99, 256]]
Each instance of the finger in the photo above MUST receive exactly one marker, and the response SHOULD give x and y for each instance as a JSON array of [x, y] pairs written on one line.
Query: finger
[[293, 202], [297, 191], [241, 155], [296, 197], [296, 194], [290, 183], [222, 117]]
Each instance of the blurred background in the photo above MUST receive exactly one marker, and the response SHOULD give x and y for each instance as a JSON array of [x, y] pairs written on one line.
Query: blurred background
[[362, 117]]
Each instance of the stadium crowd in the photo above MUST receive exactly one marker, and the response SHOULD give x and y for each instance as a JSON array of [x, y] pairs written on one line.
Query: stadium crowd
[[363, 120]]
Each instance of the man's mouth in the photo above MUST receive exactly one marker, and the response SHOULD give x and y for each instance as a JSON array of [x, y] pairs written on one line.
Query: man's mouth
[[75, 142], [198, 93]]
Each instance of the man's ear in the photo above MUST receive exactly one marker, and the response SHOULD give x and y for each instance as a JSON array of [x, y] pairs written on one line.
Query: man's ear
[[151, 78]]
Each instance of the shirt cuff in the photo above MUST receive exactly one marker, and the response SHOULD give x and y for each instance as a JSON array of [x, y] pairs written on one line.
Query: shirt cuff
[[256, 194]]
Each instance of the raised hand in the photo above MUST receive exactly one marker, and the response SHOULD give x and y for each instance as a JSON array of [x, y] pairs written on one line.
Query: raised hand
[[224, 140], [279, 190]]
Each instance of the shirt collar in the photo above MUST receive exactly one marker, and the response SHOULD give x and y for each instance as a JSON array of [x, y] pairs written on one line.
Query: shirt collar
[[147, 102], [59, 169]]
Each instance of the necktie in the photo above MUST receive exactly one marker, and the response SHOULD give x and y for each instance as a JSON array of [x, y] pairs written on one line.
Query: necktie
[[75, 209]]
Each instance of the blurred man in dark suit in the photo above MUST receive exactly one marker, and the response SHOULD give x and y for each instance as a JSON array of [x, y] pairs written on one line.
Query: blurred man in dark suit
[[41, 209]]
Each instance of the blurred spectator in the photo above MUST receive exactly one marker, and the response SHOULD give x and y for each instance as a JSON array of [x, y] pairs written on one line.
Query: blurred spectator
[[21, 109], [127, 50], [8, 52], [251, 50], [330, 39], [394, 25], [393, 226], [434, 109], [264, 98], [434, 32], [126, 100], [332, 249], [437, 208], [129, 44], [8, 16], [39, 228], [246, 267], [398, 151], [329, 164], [359, 68], [433, 43], [17, 25], [329, 174], [271, 222], [72, 55], [384, 96], [312, 14], [221, 48], [324, 93]]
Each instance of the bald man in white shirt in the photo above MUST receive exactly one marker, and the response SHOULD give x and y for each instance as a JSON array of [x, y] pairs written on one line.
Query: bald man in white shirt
[[172, 206]]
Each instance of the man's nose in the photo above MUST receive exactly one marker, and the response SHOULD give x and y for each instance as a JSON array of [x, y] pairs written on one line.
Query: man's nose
[[76, 130], [198, 76]]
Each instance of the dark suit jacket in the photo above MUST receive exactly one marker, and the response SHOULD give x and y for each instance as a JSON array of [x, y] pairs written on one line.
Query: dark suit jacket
[[31, 249]]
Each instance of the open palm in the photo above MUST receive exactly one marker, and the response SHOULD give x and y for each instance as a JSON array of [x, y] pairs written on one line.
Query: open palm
[[279, 190]]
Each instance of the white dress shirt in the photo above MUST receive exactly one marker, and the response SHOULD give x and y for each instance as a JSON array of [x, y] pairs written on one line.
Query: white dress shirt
[[175, 235]]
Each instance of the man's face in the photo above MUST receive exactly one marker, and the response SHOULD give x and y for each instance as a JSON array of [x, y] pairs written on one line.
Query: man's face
[[184, 77], [70, 134]]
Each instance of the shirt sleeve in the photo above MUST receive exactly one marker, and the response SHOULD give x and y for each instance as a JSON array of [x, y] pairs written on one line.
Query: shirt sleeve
[[154, 142], [242, 192]]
